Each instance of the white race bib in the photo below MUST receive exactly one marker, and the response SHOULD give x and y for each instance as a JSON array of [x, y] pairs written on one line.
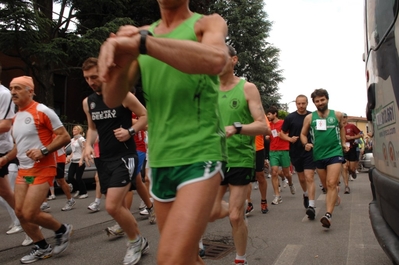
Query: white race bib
[[321, 125]]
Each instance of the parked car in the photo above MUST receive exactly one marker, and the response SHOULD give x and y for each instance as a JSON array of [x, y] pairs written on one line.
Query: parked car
[[366, 162]]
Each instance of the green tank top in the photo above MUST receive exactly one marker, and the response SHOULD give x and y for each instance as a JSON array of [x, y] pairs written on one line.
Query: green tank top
[[326, 143], [184, 124], [234, 108]]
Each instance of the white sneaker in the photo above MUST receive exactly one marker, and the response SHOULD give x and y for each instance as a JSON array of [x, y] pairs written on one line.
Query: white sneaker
[[69, 205], [135, 250], [94, 207], [70, 187], [83, 196], [292, 189], [27, 241], [62, 240], [36, 254], [277, 200], [144, 212], [114, 230], [76, 194], [15, 229], [269, 176], [256, 185], [45, 207], [142, 205], [285, 183], [51, 197]]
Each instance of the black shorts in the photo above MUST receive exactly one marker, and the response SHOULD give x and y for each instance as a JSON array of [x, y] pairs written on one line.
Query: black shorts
[[60, 171], [351, 155], [4, 169], [238, 176], [322, 164], [260, 161], [303, 162], [117, 173]]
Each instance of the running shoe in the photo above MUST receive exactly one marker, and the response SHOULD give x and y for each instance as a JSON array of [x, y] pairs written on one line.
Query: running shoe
[[240, 262], [27, 241], [277, 200], [201, 252], [263, 207], [36, 254], [347, 190], [151, 216], [45, 207], [135, 250], [285, 183], [310, 212], [249, 209], [305, 201], [70, 187], [83, 196], [142, 205], [354, 175], [62, 240], [51, 197], [14, 229], [144, 212], [256, 185], [94, 207], [115, 230], [326, 220], [76, 194], [69, 205], [292, 189]]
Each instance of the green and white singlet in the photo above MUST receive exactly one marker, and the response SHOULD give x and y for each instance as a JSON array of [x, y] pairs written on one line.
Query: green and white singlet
[[325, 135]]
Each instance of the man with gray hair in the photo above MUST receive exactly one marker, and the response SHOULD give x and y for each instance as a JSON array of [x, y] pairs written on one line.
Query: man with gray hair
[[34, 127]]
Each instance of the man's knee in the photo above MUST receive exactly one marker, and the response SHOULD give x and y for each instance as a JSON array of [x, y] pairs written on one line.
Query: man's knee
[[236, 216]]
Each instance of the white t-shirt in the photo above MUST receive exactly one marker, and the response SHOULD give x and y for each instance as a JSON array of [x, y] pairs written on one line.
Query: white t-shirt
[[77, 148], [6, 113]]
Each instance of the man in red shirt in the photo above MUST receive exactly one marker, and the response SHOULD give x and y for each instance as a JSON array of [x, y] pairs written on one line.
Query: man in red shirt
[[352, 134], [278, 155]]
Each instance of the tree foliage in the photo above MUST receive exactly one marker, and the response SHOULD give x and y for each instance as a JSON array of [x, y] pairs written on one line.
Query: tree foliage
[[248, 33], [58, 45]]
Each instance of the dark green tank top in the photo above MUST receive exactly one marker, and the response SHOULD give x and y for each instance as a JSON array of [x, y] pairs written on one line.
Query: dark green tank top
[[326, 143]]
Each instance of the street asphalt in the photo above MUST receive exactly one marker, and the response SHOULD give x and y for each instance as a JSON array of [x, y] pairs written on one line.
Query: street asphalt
[[283, 236]]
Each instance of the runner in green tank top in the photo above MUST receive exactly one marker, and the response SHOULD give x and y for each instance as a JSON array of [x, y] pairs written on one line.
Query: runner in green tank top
[[328, 140], [244, 118], [178, 59]]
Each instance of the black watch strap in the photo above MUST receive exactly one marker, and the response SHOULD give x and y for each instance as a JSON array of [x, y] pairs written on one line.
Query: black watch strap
[[44, 151], [132, 132], [143, 39]]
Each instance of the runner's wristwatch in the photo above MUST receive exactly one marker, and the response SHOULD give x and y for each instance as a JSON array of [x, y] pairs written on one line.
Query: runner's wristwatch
[[132, 132], [44, 151]]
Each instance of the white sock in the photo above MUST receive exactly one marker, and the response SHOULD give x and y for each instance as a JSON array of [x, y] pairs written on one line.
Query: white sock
[[311, 203], [241, 257], [200, 244], [97, 200], [305, 193]]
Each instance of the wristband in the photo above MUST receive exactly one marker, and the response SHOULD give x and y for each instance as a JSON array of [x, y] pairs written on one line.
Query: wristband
[[143, 39]]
